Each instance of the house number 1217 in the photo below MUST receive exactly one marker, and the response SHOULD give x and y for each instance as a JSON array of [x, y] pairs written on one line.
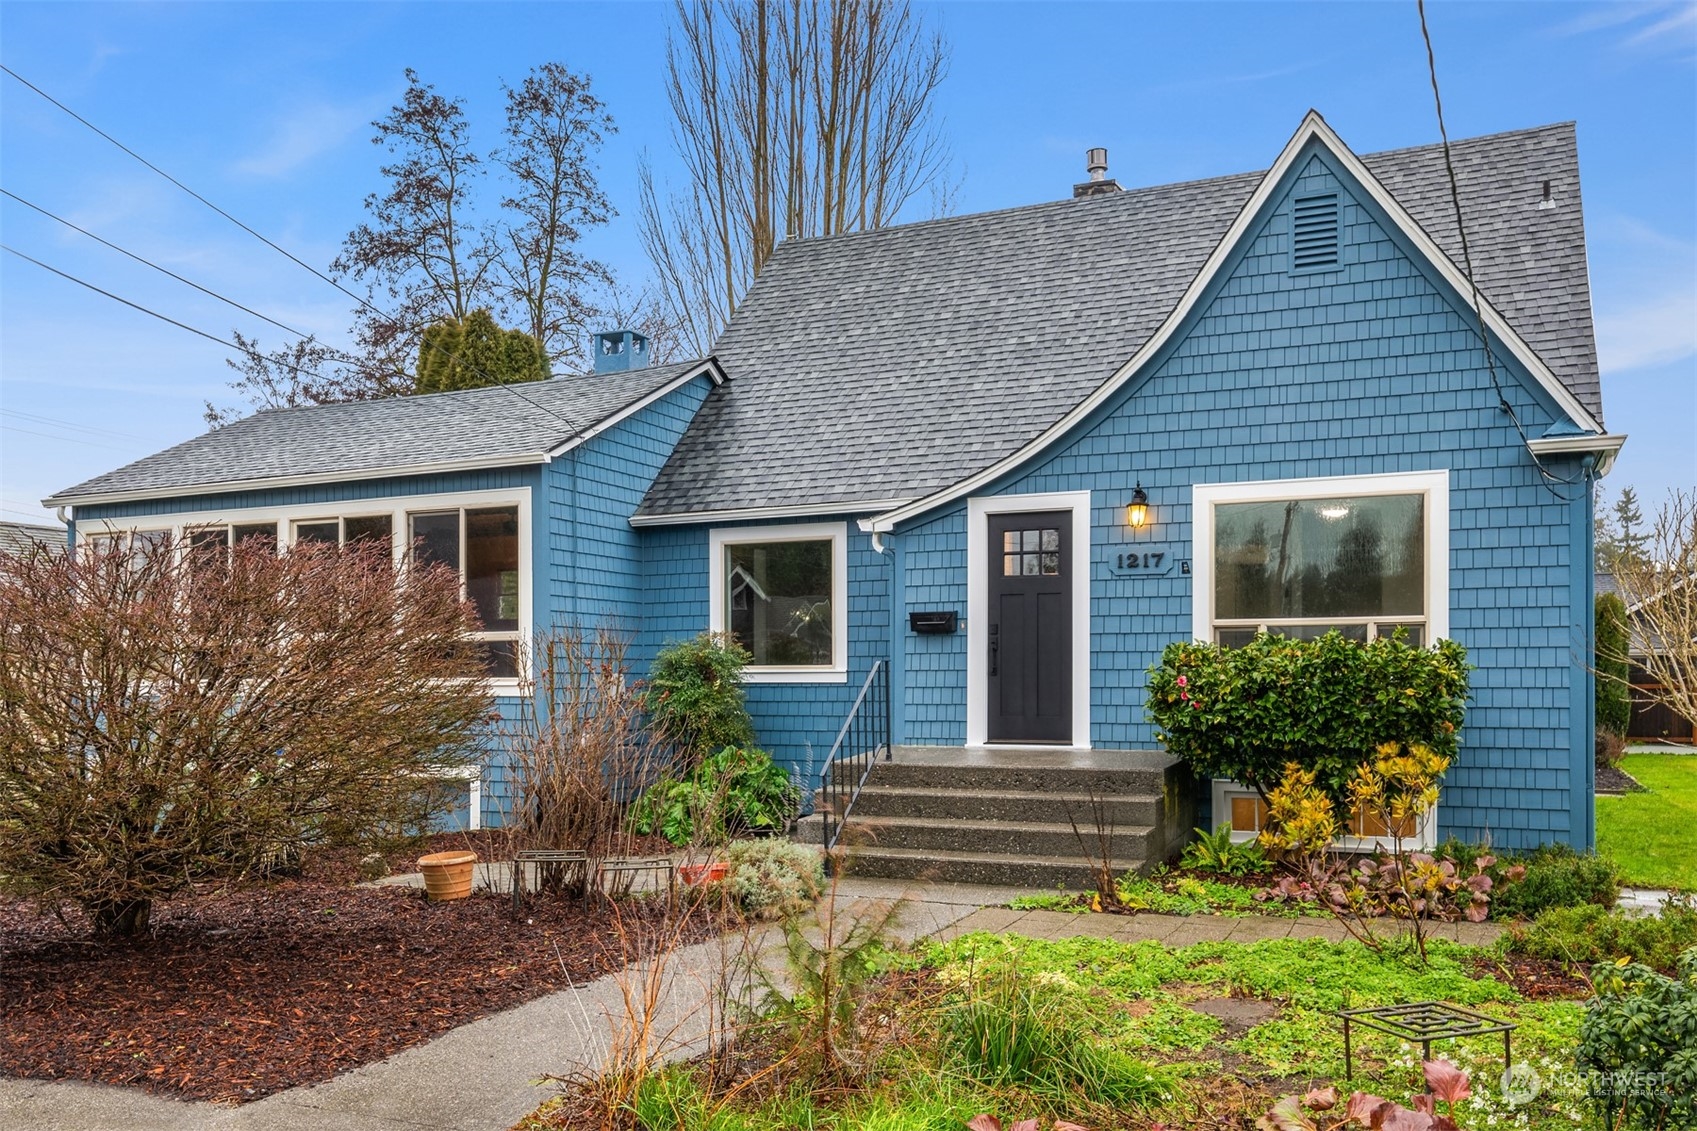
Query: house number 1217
[[1140, 561]]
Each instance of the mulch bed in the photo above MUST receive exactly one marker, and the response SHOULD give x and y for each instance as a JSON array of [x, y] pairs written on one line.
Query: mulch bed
[[240, 994], [1613, 779], [1533, 978]]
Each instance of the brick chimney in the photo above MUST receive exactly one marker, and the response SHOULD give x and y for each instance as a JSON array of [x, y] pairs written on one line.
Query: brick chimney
[[1096, 161]]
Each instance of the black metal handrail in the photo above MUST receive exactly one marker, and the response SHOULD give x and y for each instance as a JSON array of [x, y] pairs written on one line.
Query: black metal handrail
[[865, 733]]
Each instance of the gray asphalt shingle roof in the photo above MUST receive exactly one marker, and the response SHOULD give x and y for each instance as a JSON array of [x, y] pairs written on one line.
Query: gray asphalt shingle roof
[[495, 424], [18, 538], [891, 364]]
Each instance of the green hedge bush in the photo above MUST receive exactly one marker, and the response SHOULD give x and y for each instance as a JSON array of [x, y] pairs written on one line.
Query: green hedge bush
[[1242, 713], [1614, 697]]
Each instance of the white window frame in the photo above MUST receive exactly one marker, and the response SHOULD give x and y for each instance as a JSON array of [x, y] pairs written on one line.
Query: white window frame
[[1434, 485], [719, 541], [978, 512], [1425, 836], [397, 507]]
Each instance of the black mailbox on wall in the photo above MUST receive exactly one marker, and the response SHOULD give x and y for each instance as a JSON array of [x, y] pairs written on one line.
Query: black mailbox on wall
[[927, 624]]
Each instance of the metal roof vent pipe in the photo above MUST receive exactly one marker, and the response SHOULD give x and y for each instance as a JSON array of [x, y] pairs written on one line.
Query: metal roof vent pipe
[[617, 351], [1096, 163]]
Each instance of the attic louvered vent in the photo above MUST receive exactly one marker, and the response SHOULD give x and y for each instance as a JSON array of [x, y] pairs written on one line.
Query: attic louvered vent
[[1314, 232]]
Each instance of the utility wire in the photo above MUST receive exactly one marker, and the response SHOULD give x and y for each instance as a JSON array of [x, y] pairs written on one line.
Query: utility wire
[[577, 429], [1548, 478], [56, 422], [149, 263], [105, 444], [146, 310]]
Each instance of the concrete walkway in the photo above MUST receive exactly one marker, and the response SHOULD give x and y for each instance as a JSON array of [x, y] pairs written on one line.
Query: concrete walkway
[[483, 1076]]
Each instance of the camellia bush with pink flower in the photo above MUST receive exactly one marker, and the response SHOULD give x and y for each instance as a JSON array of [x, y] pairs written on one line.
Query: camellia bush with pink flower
[[1326, 704]]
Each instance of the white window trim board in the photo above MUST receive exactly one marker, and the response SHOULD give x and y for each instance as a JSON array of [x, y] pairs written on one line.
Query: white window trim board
[[1425, 837], [978, 512], [397, 507], [720, 538], [1433, 484]]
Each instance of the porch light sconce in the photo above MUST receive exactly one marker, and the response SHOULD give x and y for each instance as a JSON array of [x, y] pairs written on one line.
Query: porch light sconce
[[1137, 514]]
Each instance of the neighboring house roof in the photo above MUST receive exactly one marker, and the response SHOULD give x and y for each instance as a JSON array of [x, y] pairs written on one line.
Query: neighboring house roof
[[891, 365], [1604, 585], [18, 538], [487, 427]]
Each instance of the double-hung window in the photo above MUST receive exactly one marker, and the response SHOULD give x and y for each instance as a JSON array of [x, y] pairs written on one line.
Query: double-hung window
[[782, 591]]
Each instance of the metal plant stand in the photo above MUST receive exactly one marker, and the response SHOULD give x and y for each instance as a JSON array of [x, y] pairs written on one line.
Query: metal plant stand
[[1421, 1022]]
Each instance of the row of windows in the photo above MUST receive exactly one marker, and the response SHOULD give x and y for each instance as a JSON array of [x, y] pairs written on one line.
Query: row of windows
[[480, 543]]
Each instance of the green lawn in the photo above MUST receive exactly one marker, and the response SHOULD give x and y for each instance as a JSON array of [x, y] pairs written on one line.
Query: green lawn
[[1653, 835]]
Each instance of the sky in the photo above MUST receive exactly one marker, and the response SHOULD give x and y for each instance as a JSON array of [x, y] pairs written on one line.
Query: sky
[[266, 110]]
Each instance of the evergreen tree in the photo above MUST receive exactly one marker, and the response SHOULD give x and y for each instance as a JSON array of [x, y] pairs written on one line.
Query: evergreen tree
[[1614, 670], [1605, 542], [475, 353], [1628, 521]]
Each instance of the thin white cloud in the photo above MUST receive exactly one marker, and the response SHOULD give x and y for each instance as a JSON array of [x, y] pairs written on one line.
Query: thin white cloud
[[1683, 17], [1659, 331], [305, 133], [1604, 16]]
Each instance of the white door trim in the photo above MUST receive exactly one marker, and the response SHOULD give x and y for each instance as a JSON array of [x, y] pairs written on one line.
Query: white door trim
[[978, 512]]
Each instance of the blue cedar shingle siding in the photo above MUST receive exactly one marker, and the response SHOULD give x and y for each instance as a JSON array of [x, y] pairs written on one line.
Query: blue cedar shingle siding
[[796, 722], [1371, 368], [591, 560]]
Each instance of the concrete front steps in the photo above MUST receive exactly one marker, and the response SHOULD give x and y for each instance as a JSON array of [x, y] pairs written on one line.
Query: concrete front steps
[[1013, 816]]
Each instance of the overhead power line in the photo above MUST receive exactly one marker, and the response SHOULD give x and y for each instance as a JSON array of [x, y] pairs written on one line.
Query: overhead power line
[[144, 261], [577, 429], [1548, 478], [146, 310]]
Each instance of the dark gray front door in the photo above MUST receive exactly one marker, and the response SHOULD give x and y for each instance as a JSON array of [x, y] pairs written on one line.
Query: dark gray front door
[[1030, 629]]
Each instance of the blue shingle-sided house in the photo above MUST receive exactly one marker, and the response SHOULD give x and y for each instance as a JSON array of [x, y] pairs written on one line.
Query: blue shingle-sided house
[[914, 455]]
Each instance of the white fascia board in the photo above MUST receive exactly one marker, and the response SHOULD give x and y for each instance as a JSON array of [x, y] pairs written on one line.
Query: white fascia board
[[1605, 445], [709, 368], [229, 486], [1313, 128], [764, 514]]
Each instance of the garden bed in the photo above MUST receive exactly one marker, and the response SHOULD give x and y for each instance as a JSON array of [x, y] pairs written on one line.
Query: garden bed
[[1206, 1036], [240, 994]]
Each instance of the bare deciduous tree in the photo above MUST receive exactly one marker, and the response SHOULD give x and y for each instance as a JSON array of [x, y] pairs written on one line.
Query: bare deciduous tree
[[170, 715], [554, 125], [1659, 585], [792, 119]]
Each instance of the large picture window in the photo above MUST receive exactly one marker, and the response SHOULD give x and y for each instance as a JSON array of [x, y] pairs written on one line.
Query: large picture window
[[1308, 557], [781, 592]]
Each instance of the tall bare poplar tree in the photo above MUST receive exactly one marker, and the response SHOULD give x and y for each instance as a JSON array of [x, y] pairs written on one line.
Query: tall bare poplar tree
[[792, 118]]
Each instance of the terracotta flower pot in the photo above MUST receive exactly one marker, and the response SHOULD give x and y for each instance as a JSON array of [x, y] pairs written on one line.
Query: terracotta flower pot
[[693, 874], [447, 875]]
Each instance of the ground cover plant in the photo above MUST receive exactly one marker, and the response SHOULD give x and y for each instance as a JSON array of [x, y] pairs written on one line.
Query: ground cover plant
[[239, 994], [1649, 834], [1589, 933], [1110, 1035]]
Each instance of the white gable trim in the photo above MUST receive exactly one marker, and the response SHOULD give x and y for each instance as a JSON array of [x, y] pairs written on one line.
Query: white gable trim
[[1606, 447], [1313, 128], [709, 368]]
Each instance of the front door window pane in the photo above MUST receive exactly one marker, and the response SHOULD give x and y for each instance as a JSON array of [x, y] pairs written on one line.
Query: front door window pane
[[492, 566], [779, 601], [1305, 558], [436, 538]]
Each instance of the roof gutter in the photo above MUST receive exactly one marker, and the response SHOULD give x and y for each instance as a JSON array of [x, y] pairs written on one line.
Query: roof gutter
[[1605, 445], [755, 514], [228, 486]]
